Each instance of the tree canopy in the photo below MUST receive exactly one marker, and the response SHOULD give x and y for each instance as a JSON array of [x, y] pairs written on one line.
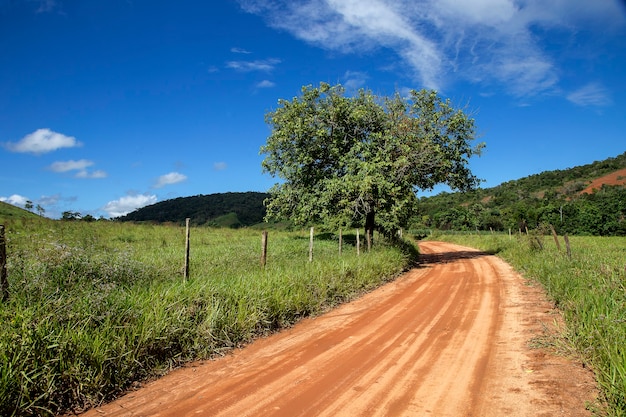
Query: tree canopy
[[346, 160]]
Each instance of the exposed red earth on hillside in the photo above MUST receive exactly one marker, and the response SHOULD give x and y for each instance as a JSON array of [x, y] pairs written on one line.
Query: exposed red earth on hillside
[[457, 336], [614, 178]]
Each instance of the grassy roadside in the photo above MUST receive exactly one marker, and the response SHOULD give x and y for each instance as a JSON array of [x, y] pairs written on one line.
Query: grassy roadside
[[590, 290], [96, 306]]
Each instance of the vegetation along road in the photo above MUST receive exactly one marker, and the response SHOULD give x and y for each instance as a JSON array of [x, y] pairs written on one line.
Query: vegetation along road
[[458, 336]]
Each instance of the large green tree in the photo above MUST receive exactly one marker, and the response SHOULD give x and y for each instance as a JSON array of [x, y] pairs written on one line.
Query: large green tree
[[346, 160]]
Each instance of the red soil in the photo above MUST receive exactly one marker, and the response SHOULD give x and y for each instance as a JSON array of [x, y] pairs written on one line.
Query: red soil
[[614, 178]]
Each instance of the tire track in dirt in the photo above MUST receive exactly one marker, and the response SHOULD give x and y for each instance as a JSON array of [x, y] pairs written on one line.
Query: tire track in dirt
[[446, 339]]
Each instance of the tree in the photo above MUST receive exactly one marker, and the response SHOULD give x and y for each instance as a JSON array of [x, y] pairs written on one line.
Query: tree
[[348, 160], [40, 210], [29, 205], [71, 215]]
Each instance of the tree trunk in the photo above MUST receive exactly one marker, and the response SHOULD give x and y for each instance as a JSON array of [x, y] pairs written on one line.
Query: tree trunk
[[369, 228]]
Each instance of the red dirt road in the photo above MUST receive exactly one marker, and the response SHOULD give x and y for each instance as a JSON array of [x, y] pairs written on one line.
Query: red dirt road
[[450, 338]]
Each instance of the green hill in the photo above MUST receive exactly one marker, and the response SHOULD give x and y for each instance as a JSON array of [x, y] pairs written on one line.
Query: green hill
[[588, 199], [223, 209], [11, 212]]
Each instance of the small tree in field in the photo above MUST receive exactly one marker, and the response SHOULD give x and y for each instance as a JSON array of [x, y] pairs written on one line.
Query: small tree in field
[[361, 159]]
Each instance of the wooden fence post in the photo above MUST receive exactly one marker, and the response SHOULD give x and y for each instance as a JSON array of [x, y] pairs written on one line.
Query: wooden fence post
[[186, 270], [556, 238], [368, 237], [569, 250], [358, 243], [264, 248], [340, 241], [4, 281], [311, 246]]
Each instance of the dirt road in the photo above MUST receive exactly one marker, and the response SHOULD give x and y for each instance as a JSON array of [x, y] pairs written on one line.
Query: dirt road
[[451, 338]]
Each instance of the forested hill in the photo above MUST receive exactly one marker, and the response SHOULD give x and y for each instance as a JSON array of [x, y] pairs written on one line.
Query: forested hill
[[587, 199], [224, 209]]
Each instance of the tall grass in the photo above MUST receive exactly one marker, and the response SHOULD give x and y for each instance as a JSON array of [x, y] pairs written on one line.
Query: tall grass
[[97, 306], [590, 290]]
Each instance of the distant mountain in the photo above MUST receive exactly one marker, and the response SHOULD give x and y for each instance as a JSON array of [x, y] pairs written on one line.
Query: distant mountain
[[224, 209], [588, 199]]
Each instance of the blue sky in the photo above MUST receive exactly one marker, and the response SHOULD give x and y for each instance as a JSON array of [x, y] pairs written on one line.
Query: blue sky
[[109, 105]]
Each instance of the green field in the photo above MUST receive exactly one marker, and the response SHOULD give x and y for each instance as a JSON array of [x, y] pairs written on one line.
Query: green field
[[590, 290], [96, 306]]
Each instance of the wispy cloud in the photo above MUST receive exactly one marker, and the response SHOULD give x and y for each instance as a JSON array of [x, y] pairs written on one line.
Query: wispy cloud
[[42, 141], [236, 50], [71, 165], [128, 203], [91, 174], [266, 84], [220, 166], [169, 179], [47, 6], [487, 42], [264, 65], [353, 80], [592, 94], [50, 200], [80, 166]]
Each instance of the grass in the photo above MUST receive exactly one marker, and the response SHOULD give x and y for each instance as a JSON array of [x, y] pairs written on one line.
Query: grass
[[9, 211], [590, 290], [97, 306]]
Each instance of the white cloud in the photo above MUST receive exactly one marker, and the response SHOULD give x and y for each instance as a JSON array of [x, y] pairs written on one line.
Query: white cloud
[[489, 42], [353, 80], [266, 84], [47, 6], [128, 203], [70, 165], [50, 200], [42, 141], [264, 65], [168, 179], [592, 94], [92, 175], [80, 166], [487, 12], [522, 76], [15, 199], [236, 50], [220, 166], [389, 27]]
